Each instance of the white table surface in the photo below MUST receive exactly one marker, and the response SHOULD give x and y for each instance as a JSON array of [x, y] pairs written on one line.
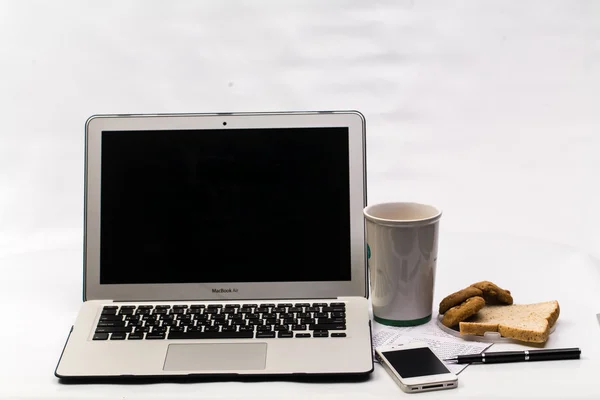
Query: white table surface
[[486, 109]]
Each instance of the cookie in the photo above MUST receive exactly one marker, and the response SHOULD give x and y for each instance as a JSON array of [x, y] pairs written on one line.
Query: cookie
[[457, 298], [463, 311], [493, 294]]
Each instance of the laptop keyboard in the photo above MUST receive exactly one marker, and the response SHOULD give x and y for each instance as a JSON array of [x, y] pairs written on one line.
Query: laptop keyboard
[[222, 321]]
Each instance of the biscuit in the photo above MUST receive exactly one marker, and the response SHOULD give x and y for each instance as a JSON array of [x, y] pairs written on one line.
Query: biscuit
[[493, 294], [463, 311], [458, 297]]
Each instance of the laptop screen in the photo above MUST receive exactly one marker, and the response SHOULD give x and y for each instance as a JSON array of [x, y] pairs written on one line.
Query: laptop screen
[[245, 205]]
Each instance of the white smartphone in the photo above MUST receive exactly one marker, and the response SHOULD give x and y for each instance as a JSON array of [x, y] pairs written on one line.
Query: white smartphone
[[415, 368]]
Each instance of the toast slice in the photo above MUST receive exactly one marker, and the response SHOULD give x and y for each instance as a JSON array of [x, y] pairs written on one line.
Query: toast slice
[[525, 322]]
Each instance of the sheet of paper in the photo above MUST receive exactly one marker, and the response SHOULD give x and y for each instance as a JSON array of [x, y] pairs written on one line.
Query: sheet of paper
[[441, 343]]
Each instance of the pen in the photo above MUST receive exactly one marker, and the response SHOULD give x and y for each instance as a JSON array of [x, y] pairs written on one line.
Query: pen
[[517, 356]]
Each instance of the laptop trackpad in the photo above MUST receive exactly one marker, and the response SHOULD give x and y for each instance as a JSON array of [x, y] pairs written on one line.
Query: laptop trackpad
[[216, 356]]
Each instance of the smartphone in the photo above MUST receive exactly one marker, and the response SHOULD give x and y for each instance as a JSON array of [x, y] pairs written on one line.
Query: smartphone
[[415, 368]]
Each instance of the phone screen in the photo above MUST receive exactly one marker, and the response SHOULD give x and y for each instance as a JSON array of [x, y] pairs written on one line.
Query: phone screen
[[415, 362]]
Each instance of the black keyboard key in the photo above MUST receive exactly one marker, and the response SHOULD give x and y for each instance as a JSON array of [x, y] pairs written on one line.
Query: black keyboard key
[[238, 322], [110, 307], [145, 307], [178, 311], [160, 311], [285, 334], [246, 328], [135, 336], [100, 336], [212, 335], [220, 322], [262, 310], [249, 305], [235, 317], [319, 305], [232, 306], [211, 329], [142, 329], [110, 311], [338, 304], [299, 327], [267, 305], [151, 336], [228, 329], [307, 321], [218, 317], [320, 334], [263, 328], [332, 320], [194, 311], [162, 307], [179, 306], [271, 321], [159, 329], [311, 309], [338, 334], [338, 309], [176, 329], [278, 309], [280, 328], [252, 316], [118, 336], [127, 307], [245, 310], [113, 329], [111, 318], [286, 315], [126, 311], [302, 335], [111, 323], [265, 335], [327, 309], [302, 305], [321, 315], [142, 311], [338, 315], [303, 315], [295, 309], [285, 305], [215, 306], [211, 310], [197, 306], [202, 317], [328, 327], [290, 321]]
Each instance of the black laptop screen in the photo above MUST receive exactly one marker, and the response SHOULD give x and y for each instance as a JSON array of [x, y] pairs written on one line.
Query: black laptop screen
[[268, 205]]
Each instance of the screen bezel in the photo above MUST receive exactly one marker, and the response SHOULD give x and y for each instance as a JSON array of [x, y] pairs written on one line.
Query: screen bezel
[[417, 380], [95, 125]]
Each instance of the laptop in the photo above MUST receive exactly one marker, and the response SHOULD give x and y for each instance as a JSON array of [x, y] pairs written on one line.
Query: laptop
[[223, 244]]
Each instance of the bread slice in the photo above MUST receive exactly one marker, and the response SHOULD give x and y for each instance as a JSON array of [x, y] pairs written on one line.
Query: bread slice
[[525, 322]]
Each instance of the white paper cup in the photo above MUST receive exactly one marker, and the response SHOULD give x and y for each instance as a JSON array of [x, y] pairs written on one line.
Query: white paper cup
[[402, 240]]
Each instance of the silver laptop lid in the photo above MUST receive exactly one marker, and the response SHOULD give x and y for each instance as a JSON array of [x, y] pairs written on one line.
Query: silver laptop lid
[[225, 206]]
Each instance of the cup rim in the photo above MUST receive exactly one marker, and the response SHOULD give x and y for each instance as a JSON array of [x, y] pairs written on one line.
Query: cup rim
[[404, 222]]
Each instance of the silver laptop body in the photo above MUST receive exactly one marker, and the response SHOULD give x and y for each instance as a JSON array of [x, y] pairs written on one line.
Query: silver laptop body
[[223, 244]]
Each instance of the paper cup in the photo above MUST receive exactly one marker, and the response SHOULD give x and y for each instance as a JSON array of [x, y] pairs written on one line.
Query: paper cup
[[402, 240]]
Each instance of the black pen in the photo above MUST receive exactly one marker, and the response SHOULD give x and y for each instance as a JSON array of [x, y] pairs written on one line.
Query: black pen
[[517, 356]]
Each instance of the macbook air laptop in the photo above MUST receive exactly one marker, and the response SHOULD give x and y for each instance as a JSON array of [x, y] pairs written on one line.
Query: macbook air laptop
[[223, 244]]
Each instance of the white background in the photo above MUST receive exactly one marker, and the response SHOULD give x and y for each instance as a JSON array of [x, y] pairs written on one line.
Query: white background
[[488, 109]]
